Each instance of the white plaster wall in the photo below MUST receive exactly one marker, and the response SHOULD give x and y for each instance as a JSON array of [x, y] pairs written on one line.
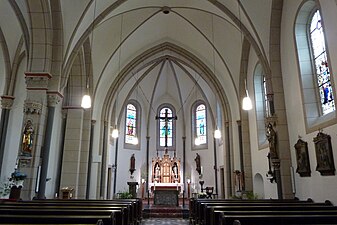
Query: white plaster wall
[[13, 138], [306, 187], [259, 156]]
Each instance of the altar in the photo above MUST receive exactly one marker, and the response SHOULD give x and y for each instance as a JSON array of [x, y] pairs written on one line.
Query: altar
[[165, 184]]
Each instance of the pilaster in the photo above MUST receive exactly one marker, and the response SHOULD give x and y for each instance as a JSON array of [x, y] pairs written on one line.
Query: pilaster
[[35, 111]]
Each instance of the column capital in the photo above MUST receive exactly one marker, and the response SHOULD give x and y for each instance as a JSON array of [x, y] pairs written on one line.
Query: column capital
[[54, 97], [64, 113], [7, 101], [31, 107], [37, 81]]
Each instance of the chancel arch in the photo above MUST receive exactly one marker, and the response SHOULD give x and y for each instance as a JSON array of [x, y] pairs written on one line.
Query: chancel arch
[[144, 69]]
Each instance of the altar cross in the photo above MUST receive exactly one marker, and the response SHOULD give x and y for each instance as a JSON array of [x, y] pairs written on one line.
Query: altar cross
[[166, 119]]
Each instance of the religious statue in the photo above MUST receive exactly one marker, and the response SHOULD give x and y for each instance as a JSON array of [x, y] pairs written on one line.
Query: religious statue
[[157, 171], [198, 165], [27, 139], [175, 170], [272, 139], [132, 164]]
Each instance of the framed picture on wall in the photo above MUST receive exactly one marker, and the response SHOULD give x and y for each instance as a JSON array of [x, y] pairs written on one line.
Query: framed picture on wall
[[302, 157], [324, 157]]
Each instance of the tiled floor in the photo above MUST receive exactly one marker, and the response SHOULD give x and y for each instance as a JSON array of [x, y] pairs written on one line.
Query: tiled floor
[[165, 221]]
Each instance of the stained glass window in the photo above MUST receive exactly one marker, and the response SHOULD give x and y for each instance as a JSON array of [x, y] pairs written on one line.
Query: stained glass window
[[165, 127], [131, 124], [200, 123], [321, 64], [266, 102]]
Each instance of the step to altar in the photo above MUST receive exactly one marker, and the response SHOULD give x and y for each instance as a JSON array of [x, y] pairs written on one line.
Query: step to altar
[[163, 211]]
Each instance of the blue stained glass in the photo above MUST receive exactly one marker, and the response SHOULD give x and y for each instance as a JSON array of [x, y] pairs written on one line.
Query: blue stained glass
[[200, 115], [321, 64], [163, 129], [130, 124]]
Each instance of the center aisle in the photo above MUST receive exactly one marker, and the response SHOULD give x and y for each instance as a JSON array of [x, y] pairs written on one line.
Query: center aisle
[[167, 221]]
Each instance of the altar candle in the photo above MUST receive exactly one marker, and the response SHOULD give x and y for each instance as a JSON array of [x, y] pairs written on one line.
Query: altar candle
[[202, 170], [177, 186]]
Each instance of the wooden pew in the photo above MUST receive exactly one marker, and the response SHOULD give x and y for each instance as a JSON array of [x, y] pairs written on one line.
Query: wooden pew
[[136, 205], [289, 218], [59, 216], [213, 212], [131, 216], [197, 212], [194, 203]]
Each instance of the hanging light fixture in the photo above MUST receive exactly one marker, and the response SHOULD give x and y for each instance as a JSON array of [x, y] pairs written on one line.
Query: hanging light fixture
[[115, 131], [217, 132], [135, 140], [86, 99], [246, 101]]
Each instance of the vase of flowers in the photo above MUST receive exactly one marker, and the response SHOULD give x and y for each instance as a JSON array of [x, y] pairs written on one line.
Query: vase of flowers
[[17, 178]]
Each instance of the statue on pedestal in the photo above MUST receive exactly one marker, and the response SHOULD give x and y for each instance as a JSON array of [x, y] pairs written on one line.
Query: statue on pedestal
[[272, 139], [198, 164], [132, 164]]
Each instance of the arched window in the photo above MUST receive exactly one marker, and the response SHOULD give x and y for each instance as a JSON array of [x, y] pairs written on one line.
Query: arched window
[[261, 104], [313, 60], [199, 124], [132, 125], [166, 127], [321, 64]]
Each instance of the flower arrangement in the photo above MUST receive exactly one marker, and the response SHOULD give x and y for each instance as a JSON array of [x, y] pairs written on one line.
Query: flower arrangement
[[17, 176], [5, 188], [15, 180]]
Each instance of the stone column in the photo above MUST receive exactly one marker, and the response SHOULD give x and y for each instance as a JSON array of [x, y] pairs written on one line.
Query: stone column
[[103, 160], [92, 128], [53, 99], [34, 114], [72, 149], [228, 159], [6, 105]]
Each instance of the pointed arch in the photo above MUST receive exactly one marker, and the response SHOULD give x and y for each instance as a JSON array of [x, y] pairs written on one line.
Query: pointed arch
[[314, 68]]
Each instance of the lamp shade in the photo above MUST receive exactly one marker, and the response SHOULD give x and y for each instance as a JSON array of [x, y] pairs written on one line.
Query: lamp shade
[[114, 133], [247, 103], [196, 141], [86, 102], [217, 134]]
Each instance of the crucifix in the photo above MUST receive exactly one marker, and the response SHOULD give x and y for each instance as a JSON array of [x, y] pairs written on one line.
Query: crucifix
[[166, 119]]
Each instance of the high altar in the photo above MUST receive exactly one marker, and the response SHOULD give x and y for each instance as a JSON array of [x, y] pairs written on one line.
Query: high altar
[[166, 170], [166, 179]]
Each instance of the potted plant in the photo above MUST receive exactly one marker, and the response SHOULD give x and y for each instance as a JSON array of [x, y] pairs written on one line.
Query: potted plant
[[5, 189]]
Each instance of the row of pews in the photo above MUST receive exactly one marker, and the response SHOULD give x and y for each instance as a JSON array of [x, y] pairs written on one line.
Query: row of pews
[[262, 212], [72, 211]]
